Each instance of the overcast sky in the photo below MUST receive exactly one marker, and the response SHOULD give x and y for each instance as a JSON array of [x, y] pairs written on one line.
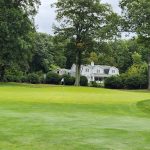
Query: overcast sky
[[46, 15]]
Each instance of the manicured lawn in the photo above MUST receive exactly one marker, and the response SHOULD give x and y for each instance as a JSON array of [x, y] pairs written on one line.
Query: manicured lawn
[[42, 117]]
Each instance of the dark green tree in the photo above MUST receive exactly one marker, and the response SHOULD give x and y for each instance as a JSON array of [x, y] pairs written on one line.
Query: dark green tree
[[70, 54], [16, 33], [59, 45], [43, 55], [122, 55]]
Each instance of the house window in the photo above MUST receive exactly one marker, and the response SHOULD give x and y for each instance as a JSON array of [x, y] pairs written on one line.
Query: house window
[[113, 71], [87, 70], [106, 71], [98, 71], [98, 79]]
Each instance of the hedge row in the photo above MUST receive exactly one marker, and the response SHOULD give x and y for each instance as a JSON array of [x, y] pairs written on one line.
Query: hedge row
[[29, 78], [127, 82], [50, 78], [53, 78]]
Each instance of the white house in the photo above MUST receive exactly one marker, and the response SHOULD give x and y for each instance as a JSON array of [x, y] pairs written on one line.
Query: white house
[[96, 72], [93, 72]]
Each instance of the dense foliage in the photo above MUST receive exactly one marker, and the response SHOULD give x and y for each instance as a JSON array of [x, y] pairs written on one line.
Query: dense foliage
[[68, 80], [83, 81], [134, 78], [16, 33], [136, 19], [114, 82], [53, 78]]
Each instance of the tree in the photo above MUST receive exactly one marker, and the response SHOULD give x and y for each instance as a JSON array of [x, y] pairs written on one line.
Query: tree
[[85, 21], [122, 54], [70, 54], [137, 58], [136, 16], [138, 67], [17, 33], [43, 55], [93, 58], [59, 45]]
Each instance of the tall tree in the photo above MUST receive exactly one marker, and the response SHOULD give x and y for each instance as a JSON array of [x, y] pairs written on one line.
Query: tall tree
[[137, 19], [43, 55], [16, 32], [85, 20]]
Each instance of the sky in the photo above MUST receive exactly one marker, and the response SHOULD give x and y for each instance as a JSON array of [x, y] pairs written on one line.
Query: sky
[[45, 18]]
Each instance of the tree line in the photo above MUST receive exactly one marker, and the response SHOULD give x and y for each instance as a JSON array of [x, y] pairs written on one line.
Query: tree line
[[89, 31]]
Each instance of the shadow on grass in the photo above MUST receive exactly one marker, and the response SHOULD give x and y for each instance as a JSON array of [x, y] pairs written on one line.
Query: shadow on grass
[[14, 84], [144, 106]]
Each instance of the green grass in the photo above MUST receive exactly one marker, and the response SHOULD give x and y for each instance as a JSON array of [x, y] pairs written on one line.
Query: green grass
[[43, 117]]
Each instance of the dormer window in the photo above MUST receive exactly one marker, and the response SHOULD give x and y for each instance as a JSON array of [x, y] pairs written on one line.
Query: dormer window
[[106, 71], [113, 71]]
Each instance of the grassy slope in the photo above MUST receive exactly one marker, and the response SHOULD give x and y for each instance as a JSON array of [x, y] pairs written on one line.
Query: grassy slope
[[67, 118]]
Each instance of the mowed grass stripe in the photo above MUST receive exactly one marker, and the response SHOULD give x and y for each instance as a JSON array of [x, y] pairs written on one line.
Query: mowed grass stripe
[[78, 95]]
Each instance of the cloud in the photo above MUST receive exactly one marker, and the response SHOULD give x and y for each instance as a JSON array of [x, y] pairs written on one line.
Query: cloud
[[45, 18], [114, 4]]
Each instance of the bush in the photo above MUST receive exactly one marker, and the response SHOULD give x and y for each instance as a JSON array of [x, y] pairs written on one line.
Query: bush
[[113, 82], [42, 79], [136, 76], [33, 78], [13, 75], [136, 82], [127, 82], [24, 79], [144, 81], [93, 84], [68, 80], [12, 78], [41, 76], [83, 81], [52, 78]]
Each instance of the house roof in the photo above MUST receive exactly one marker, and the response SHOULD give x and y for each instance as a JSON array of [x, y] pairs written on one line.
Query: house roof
[[105, 67], [99, 66]]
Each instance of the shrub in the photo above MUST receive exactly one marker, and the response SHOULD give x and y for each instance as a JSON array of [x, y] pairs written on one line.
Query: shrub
[[114, 82], [136, 82], [24, 78], [12, 78], [13, 75], [42, 79], [144, 81], [33, 78], [127, 81], [93, 84], [68, 80], [53, 78], [41, 76], [83, 81], [136, 76]]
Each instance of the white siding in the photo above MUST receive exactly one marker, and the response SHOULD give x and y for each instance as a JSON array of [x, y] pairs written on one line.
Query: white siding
[[92, 71]]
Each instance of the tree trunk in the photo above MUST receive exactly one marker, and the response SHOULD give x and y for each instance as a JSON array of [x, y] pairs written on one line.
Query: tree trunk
[[77, 82], [78, 68], [149, 71]]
